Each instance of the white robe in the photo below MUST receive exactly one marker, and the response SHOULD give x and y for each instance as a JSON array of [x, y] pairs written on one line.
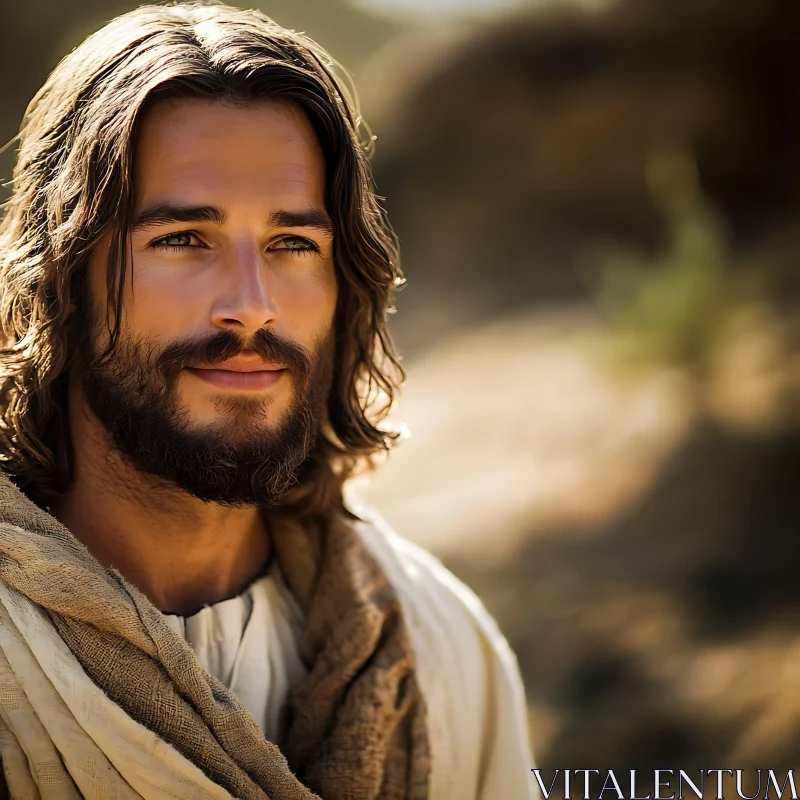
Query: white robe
[[469, 677], [250, 643], [59, 731]]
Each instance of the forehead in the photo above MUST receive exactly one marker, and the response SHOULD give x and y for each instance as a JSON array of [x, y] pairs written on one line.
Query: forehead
[[216, 151]]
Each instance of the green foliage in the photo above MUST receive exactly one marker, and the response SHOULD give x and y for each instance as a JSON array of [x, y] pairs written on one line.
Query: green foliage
[[664, 307]]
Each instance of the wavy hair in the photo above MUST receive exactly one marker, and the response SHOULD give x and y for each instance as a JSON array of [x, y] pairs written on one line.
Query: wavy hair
[[72, 186]]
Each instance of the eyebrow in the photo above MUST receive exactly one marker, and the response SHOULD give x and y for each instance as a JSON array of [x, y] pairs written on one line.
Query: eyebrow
[[308, 218], [167, 213]]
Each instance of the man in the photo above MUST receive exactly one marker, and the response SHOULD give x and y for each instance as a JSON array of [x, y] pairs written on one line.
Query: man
[[195, 280]]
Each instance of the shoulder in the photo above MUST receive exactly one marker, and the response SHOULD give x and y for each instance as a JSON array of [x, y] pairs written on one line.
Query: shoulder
[[430, 593], [467, 672]]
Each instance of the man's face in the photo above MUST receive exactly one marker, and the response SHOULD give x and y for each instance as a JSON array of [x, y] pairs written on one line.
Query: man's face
[[225, 357]]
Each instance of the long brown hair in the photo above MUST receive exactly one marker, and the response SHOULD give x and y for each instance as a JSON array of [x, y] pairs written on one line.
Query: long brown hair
[[72, 186]]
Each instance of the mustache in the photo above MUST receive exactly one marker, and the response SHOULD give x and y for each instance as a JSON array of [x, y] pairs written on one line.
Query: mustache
[[226, 344]]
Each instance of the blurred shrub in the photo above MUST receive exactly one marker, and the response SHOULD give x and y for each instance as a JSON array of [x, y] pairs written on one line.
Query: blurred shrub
[[665, 307]]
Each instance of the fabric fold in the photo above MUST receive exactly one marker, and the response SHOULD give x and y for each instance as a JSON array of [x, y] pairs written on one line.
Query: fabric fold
[[357, 722]]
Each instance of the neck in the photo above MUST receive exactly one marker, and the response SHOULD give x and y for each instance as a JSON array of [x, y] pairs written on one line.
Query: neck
[[181, 552]]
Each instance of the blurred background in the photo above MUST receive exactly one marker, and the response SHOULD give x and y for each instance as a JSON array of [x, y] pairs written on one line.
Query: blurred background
[[599, 205]]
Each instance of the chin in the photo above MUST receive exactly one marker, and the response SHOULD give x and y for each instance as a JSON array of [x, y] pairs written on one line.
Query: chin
[[237, 410]]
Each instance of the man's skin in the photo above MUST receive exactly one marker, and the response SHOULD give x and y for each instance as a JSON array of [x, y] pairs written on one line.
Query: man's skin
[[240, 273]]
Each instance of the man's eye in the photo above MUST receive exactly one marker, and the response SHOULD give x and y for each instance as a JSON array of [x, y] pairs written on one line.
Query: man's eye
[[176, 241], [295, 244]]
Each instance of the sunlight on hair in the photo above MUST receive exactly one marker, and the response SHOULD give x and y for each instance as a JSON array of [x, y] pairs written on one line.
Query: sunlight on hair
[[469, 8]]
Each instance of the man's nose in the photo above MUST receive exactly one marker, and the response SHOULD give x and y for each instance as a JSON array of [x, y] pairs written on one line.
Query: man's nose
[[245, 302]]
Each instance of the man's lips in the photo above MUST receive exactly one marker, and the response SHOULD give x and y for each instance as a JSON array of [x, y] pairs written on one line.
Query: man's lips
[[240, 373]]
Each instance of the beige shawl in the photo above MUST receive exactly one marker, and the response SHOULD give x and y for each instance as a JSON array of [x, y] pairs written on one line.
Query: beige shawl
[[357, 726]]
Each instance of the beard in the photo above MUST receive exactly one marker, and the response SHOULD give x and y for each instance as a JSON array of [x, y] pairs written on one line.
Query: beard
[[240, 460]]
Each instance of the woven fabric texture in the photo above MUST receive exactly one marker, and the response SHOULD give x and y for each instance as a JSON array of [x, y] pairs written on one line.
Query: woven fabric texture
[[357, 726]]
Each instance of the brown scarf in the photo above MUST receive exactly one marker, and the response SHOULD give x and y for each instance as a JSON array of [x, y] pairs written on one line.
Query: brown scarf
[[357, 728]]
